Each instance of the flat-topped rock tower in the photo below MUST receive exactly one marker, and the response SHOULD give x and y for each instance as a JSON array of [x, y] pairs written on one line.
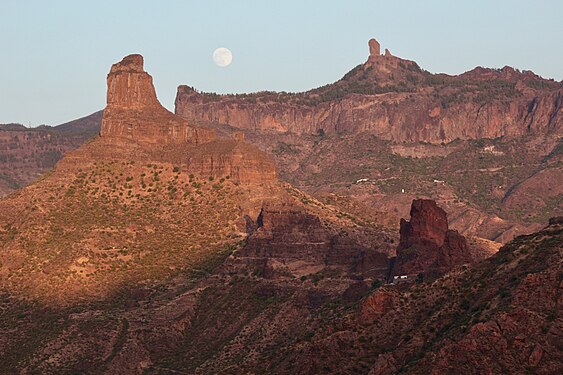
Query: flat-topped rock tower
[[136, 124], [134, 112]]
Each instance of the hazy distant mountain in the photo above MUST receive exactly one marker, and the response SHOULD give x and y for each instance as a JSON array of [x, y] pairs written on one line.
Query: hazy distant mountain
[[27, 153], [86, 125]]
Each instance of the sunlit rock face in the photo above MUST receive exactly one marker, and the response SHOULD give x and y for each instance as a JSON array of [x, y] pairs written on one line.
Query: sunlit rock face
[[395, 99], [134, 116], [129, 86], [133, 111]]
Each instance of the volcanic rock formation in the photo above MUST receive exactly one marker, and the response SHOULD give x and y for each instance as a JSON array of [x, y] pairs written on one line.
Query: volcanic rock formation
[[120, 262], [285, 239], [396, 100], [134, 116], [167, 188], [134, 112], [374, 48], [427, 245]]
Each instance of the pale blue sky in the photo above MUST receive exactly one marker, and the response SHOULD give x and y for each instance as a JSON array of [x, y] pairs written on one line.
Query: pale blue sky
[[54, 55]]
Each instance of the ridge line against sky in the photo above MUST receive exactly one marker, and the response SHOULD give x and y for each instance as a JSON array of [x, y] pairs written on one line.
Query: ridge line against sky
[[55, 55]]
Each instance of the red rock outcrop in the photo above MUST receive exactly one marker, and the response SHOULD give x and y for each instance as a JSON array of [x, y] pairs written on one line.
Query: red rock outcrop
[[134, 112], [299, 243], [374, 48], [134, 116], [395, 99], [378, 304], [427, 245]]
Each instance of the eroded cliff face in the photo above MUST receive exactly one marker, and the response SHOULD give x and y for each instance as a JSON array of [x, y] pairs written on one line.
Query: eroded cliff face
[[395, 99], [161, 194], [136, 124], [427, 245], [494, 317], [285, 240], [134, 112]]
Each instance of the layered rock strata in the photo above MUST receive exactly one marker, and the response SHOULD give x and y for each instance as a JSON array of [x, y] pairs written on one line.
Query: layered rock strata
[[287, 240], [427, 245], [395, 99], [134, 112], [135, 118]]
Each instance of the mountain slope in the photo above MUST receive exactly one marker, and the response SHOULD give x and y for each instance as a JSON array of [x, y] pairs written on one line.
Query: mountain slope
[[151, 196], [28, 153], [494, 189], [100, 219], [131, 229], [87, 125], [500, 315], [485, 144]]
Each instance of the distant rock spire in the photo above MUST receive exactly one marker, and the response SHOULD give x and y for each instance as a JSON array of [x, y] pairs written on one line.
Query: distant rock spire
[[374, 48], [427, 244]]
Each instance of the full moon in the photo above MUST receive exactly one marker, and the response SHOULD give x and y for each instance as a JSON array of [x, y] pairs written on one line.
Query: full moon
[[222, 57]]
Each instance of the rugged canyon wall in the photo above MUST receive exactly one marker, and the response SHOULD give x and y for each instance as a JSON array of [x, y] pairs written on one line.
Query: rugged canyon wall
[[285, 240], [395, 99]]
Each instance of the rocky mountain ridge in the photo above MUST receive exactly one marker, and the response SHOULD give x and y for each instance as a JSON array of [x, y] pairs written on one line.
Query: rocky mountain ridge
[[499, 315], [164, 247], [151, 196], [396, 100], [134, 121], [485, 144], [505, 186]]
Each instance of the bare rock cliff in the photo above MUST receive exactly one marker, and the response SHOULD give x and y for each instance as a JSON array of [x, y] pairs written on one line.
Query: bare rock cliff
[[287, 240], [134, 112], [427, 245], [135, 117], [395, 99]]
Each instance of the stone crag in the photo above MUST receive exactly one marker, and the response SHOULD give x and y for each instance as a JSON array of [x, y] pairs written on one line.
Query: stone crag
[[427, 245], [374, 48], [164, 191], [286, 240], [134, 112], [134, 118], [121, 262], [396, 100]]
